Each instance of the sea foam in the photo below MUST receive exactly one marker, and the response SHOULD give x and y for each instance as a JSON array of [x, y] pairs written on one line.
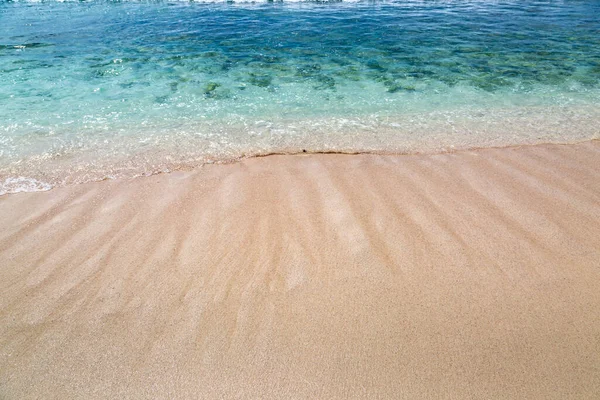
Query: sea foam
[[22, 184]]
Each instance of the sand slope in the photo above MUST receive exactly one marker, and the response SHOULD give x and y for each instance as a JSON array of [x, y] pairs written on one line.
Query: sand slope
[[466, 275]]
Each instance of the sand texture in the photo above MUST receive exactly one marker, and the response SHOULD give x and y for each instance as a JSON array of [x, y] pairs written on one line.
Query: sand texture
[[467, 275]]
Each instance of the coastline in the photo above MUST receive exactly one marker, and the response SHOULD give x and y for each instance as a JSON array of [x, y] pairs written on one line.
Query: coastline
[[24, 183], [465, 274]]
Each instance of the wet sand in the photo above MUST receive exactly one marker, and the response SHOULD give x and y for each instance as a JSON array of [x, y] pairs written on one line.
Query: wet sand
[[474, 274]]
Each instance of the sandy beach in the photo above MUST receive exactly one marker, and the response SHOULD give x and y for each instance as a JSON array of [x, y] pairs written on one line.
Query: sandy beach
[[473, 274]]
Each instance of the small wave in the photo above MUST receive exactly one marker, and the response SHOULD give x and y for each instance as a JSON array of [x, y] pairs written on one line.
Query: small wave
[[23, 184], [22, 46]]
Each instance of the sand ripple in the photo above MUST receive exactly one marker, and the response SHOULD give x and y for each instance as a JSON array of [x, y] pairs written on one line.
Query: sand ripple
[[465, 275]]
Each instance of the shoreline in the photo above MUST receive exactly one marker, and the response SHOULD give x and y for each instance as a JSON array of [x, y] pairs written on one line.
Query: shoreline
[[192, 168], [468, 274]]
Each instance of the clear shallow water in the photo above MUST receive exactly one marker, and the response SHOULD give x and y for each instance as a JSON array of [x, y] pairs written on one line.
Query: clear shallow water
[[102, 89]]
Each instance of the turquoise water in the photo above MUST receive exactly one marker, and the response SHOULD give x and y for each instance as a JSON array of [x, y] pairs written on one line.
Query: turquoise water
[[103, 89]]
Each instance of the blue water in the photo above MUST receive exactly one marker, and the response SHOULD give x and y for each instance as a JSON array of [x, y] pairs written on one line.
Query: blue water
[[90, 90]]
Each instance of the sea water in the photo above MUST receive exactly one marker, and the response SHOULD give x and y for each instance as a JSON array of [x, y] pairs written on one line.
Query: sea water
[[91, 90]]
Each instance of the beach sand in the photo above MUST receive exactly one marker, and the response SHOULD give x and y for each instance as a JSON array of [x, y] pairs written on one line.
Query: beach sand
[[473, 274]]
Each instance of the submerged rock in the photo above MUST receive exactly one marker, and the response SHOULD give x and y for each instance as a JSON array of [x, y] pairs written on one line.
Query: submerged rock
[[324, 82], [161, 99], [394, 87], [260, 80], [214, 90], [308, 70], [211, 87]]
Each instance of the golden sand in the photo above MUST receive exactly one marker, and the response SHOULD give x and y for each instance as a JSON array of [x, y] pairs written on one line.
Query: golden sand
[[466, 275]]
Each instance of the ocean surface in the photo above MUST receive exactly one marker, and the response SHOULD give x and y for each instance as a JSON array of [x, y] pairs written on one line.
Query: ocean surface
[[91, 90]]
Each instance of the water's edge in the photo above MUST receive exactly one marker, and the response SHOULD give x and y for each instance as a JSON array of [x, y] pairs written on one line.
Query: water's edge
[[30, 185]]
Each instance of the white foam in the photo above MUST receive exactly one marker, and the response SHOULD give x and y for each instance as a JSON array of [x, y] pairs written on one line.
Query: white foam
[[22, 184]]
